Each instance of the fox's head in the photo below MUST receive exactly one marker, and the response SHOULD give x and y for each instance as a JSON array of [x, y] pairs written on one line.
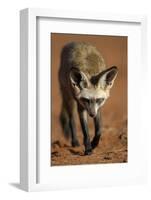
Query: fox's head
[[91, 93]]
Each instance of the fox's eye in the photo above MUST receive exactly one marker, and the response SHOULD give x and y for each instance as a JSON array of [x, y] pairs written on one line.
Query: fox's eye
[[99, 100], [85, 100]]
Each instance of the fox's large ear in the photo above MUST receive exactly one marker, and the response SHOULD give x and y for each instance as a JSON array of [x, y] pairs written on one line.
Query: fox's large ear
[[106, 78], [78, 79]]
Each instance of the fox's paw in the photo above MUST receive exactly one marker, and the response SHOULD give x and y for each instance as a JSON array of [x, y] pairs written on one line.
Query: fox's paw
[[75, 143], [95, 142], [88, 152], [88, 148]]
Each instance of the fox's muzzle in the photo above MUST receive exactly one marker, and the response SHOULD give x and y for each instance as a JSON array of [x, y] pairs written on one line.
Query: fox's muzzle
[[92, 112], [92, 115]]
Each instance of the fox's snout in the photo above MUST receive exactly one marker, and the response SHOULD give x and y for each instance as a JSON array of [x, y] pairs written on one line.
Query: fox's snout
[[92, 115], [92, 111]]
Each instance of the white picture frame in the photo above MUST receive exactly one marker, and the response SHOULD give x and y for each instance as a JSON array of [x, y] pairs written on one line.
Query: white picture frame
[[29, 148]]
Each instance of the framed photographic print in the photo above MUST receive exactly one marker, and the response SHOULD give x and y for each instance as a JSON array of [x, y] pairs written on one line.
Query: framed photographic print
[[81, 77]]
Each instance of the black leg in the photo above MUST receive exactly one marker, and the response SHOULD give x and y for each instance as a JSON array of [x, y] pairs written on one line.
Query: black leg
[[69, 116], [97, 124], [74, 139], [84, 126]]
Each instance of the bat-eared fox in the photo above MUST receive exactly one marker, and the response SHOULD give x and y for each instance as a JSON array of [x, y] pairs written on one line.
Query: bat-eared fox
[[85, 85]]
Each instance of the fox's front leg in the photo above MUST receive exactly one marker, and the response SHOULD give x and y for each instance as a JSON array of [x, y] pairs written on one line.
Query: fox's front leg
[[85, 130], [97, 124]]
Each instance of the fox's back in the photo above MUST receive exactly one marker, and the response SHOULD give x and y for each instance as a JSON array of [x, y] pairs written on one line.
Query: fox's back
[[83, 56]]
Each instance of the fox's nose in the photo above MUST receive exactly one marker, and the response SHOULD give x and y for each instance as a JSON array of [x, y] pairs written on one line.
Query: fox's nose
[[92, 114], [92, 111]]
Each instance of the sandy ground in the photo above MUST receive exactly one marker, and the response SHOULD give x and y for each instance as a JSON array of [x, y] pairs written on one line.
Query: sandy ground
[[111, 149], [113, 144]]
